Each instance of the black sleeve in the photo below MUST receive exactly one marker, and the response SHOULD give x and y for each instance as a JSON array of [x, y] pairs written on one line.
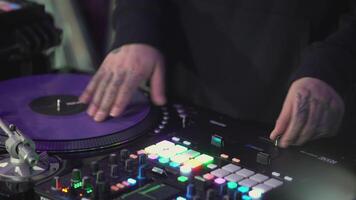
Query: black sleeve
[[136, 21], [334, 59]]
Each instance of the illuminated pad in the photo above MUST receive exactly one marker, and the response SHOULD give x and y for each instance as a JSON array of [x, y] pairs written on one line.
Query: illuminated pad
[[194, 164], [262, 187], [153, 149], [177, 149], [180, 158], [191, 153], [205, 159], [165, 144], [167, 153]]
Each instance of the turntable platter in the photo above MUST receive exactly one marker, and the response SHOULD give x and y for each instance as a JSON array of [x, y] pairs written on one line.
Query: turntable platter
[[31, 103]]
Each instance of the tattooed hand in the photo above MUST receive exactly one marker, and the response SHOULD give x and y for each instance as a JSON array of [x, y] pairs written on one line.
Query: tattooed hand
[[312, 109], [119, 76]]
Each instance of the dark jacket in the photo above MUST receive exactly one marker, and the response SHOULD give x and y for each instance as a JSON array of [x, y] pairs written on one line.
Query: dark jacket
[[240, 56]]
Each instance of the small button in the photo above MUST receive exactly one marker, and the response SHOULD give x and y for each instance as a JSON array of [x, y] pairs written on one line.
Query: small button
[[114, 188], [288, 178], [139, 152], [185, 170], [182, 179], [187, 143], [133, 156], [243, 189], [132, 181], [208, 177], [120, 186], [211, 166], [219, 181], [224, 156], [276, 174], [175, 139], [152, 156], [236, 160]]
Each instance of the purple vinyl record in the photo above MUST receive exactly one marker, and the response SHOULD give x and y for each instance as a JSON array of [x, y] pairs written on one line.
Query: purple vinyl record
[[21, 102]]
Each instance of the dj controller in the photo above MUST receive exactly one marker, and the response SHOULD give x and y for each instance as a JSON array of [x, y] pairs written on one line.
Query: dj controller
[[175, 152]]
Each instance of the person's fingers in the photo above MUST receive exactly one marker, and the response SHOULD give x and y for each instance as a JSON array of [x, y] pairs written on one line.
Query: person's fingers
[[99, 92], [316, 113], [127, 89], [109, 97], [90, 89], [337, 113], [330, 121], [283, 119], [157, 85], [300, 114]]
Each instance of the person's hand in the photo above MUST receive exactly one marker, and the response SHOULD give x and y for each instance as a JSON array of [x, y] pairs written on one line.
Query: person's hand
[[312, 109], [118, 77]]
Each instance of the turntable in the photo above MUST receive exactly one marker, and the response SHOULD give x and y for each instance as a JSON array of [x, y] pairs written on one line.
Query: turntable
[[46, 109]]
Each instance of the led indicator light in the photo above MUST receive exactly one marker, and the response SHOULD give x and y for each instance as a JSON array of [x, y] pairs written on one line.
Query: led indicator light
[[163, 160], [231, 185], [224, 156], [217, 141], [174, 164], [175, 139], [243, 189], [219, 181], [152, 156], [131, 181], [182, 179], [208, 177], [245, 197], [185, 169], [65, 190], [255, 194]]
